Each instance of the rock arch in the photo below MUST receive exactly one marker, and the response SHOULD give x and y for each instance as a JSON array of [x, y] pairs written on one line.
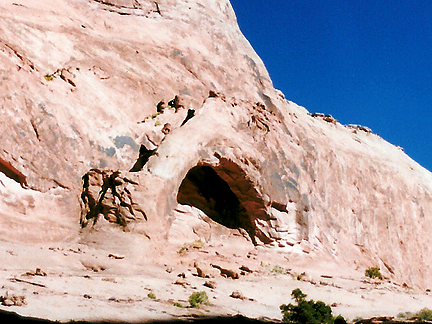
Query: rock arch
[[225, 194]]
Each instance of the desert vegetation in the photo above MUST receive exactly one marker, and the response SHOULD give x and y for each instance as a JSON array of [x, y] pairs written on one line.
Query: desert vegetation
[[308, 311], [423, 315], [198, 298], [373, 273]]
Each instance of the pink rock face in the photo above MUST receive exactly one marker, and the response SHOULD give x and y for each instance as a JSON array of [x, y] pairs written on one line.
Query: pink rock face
[[81, 85]]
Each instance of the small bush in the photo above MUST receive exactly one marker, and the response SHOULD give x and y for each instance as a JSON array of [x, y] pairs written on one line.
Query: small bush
[[339, 320], [307, 311], [198, 244], [184, 249], [198, 298], [404, 315], [177, 304], [278, 269], [423, 315], [151, 295], [373, 273], [48, 77]]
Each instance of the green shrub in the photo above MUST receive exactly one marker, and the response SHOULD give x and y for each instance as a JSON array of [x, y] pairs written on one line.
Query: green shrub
[[184, 249], [373, 272], [48, 77], [404, 315], [278, 269], [151, 295], [423, 315], [307, 311], [198, 244], [177, 304], [198, 298], [339, 320]]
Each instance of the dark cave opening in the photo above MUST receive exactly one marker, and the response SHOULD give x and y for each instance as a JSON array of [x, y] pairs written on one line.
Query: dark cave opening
[[226, 194], [204, 189]]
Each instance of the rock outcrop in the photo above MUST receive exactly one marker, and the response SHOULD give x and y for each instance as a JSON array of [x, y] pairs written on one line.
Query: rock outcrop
[[108, 194], [83, 90]]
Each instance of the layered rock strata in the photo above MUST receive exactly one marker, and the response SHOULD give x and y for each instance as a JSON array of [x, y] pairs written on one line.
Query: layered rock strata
[[81, 87]]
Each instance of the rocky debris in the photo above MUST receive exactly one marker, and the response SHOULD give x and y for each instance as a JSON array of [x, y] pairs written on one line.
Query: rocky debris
[[385, 320], [166, 129], [12, 300], [227, 273], [204, 271], [64, 73], [210, 284], [245, 269], [27, 282], [360, 128], [176, 103], [106, 193], [259, 123], [160, 107], [330, 119], [37, 272], [131, 7], [237, 295], [327, 118], [67, 76], [93, 265], [115, 257], [315, 115], [100, 73], [182, 283]]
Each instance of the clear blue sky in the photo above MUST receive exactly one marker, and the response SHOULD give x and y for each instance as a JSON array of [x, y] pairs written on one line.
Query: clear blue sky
[[365, 62]]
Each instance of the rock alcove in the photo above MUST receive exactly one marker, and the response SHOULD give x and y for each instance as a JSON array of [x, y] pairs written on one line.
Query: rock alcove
[[225, 194]]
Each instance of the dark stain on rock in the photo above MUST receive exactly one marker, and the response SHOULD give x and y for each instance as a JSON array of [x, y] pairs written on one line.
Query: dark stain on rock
[[121, 141]]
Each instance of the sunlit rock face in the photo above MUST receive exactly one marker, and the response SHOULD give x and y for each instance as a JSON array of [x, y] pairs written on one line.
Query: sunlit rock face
[[92, 85]]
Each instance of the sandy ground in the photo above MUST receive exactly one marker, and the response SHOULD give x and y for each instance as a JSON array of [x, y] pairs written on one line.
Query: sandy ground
[[107, 274]]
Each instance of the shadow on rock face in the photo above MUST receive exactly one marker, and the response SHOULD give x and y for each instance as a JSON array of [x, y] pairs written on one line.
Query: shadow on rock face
[[204, 189], [225, 194], [10, 317]]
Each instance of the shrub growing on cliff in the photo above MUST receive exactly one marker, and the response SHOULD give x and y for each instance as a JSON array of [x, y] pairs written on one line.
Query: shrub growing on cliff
[[48, 77], [198, 298], [307, 311], [423, 315], [373, 272], [339, 320]]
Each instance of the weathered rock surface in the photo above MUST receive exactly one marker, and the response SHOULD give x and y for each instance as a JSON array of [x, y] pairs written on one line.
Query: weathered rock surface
[[228, 159]]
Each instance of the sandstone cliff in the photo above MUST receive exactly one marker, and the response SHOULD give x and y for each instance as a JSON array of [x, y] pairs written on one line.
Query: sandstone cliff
[[98, 85]]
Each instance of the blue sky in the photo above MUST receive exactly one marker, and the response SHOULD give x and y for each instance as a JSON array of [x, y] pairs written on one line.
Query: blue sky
[[364, 62]]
